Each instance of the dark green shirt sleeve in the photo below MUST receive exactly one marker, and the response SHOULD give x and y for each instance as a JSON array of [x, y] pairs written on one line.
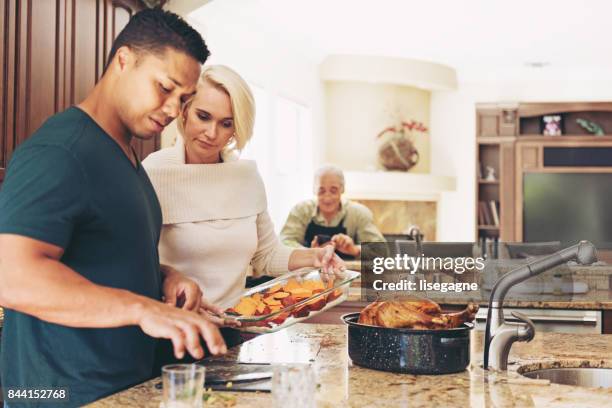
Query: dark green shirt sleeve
[[44, 194]]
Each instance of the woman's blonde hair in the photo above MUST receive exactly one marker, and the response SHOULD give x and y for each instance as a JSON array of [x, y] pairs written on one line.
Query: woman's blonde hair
[[241, 98]]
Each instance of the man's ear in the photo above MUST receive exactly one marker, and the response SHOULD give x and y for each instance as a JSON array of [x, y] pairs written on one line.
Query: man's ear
[[184, 112], [125, 58]]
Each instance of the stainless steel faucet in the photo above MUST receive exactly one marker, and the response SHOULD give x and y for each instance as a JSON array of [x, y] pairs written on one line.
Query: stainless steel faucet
[[415, 233], [499, 334]]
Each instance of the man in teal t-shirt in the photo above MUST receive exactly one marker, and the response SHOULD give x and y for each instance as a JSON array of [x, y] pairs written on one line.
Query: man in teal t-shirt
[[80, 278]]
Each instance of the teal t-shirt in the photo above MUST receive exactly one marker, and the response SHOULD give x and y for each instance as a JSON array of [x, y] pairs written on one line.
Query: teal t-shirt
[[72, 186]]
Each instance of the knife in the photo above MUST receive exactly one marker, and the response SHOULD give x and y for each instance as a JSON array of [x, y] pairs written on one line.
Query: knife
[[249, 377], [240, 378]]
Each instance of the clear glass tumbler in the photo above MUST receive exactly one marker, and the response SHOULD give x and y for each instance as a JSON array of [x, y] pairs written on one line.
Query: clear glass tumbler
[[183, 385], [294, 385]]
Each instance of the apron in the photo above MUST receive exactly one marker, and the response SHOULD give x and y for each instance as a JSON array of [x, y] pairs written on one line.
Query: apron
[[315, 229]]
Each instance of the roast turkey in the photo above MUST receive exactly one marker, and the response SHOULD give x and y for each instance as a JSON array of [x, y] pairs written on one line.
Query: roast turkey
[[414, 313]]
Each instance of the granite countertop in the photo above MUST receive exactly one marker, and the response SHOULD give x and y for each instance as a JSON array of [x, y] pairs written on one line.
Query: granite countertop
[[344, 384], [594, 300]]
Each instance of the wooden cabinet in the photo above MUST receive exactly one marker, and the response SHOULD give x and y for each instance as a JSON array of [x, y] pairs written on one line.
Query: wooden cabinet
[[52, 52], [509, 142], [497, 120]]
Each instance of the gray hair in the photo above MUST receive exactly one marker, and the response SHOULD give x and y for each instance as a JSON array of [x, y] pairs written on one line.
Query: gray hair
[[328, 169]]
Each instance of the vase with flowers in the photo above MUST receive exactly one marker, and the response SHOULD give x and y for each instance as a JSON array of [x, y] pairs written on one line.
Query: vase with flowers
[[396, 150]]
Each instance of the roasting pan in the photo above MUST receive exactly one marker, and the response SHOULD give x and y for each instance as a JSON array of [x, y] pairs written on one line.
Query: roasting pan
[[408, 350]]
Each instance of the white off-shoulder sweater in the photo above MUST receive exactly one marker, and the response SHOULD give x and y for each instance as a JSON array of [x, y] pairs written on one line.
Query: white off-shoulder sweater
[[215, 222]]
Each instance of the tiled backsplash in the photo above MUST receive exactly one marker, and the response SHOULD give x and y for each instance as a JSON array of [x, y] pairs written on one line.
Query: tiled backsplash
[[394, 216]]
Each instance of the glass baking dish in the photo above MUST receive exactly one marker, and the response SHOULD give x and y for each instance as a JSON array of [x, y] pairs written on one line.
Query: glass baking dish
[[288, 299]]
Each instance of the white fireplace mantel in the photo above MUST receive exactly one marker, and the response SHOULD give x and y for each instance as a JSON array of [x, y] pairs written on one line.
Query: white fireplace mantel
[[396, 185]]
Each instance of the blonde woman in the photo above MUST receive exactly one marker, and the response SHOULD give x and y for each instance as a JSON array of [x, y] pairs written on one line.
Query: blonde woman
[[215, 218]]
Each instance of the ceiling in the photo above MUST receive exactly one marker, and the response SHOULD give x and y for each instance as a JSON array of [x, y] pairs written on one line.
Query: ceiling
[[481, 39]]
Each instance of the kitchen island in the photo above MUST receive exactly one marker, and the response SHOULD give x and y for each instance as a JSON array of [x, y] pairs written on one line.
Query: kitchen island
[[344, 384]]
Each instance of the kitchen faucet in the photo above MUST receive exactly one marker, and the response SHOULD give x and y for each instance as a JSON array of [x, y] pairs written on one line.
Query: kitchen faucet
[[499, 334], [415, 233]]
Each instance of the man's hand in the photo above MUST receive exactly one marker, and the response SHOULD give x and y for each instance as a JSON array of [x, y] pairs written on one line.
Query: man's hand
[[215, 314], [346, 245], [32, 267], [184, 328], [180, 291], [315, 243]]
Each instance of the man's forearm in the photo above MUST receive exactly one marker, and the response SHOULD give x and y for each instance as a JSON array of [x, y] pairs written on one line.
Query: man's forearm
[[51, 291]]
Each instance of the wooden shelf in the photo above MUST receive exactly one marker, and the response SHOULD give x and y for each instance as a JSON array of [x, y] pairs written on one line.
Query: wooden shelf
[[482, 181], [546, 108], [564, 138], [495, 139], [488, 227]]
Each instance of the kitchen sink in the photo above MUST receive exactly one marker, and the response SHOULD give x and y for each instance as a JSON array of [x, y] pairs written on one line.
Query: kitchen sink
[[580, 376]]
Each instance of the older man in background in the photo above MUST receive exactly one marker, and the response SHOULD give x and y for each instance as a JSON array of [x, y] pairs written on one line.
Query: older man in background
[[329, 219]]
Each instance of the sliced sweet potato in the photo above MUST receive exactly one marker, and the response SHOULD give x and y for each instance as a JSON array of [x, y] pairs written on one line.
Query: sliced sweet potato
[[274, 288], [257, 297], [280, 318], [288, 301], [335, 294], [291, 284], [317, 304], [275, 308], [246, 307], [301, 293], [280, 295], [261, 307], [301, 311], [250, 300], [313, 285], [271, 301]]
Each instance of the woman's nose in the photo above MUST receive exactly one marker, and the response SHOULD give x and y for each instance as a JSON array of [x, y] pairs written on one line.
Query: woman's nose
[[211, 131]]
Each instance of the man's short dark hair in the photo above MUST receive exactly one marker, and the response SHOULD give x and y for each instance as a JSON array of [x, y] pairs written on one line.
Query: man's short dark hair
[[155, 30]]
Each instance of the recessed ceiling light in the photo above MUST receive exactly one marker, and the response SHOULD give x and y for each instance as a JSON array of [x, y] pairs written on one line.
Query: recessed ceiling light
[[537, 64]]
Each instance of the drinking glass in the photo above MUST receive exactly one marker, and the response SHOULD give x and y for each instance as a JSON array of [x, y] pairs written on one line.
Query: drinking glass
[[294, 385], [183, 385]]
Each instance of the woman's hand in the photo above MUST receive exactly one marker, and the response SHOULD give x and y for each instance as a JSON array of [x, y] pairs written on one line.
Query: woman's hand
[[326, 259], [323, 258], [180, 291], [346, 245]]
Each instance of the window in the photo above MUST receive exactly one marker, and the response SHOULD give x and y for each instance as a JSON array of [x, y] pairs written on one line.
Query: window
[[281, 146]]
